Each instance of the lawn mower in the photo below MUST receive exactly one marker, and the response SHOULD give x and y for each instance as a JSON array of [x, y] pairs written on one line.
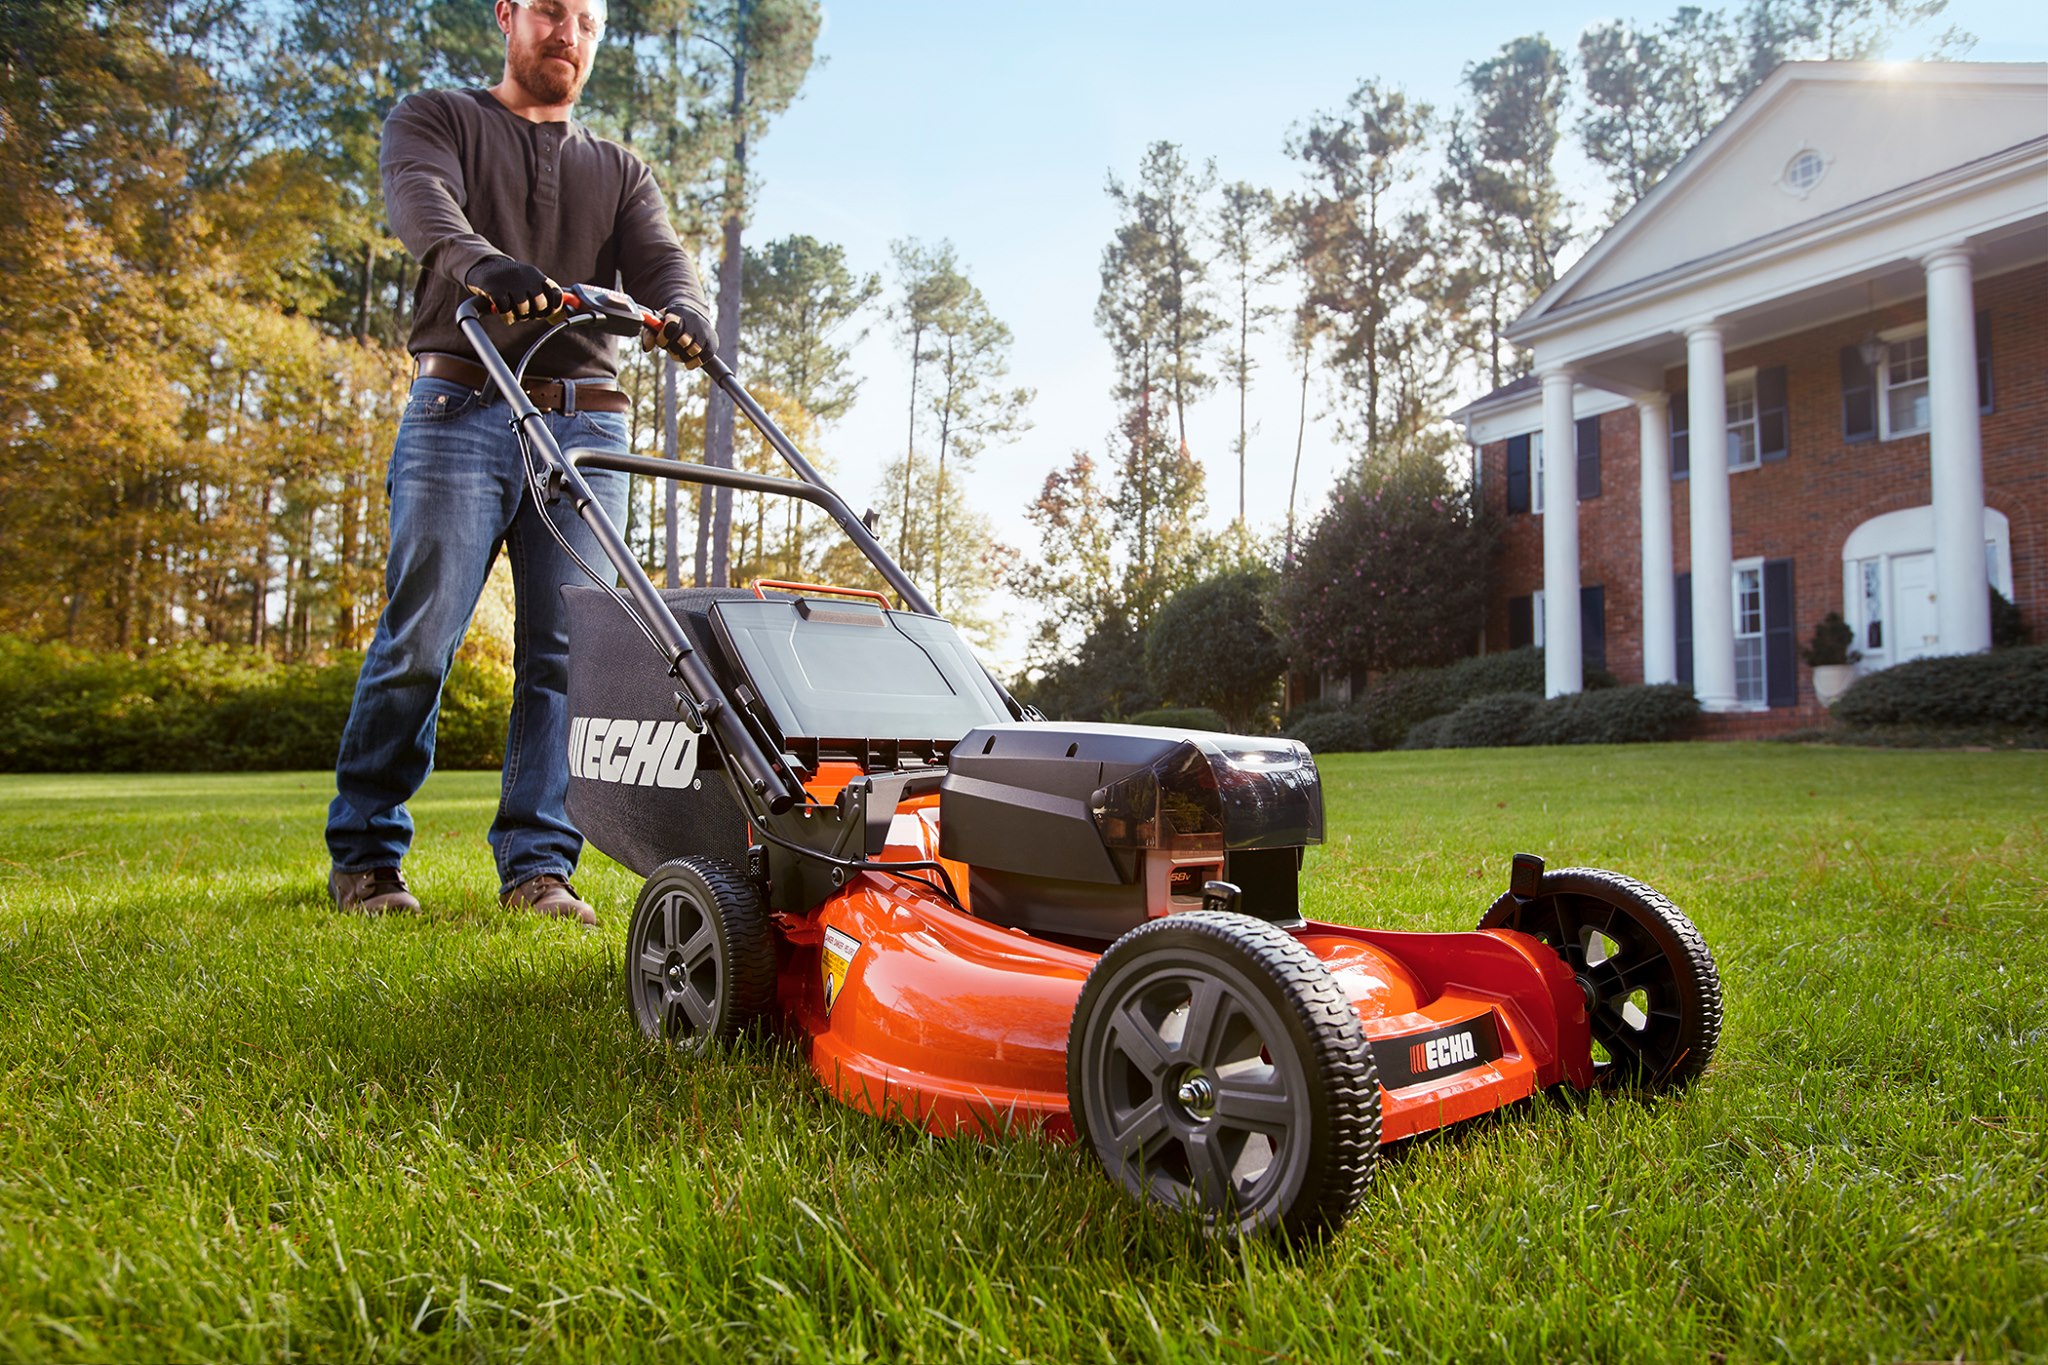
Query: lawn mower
[[980, 921]]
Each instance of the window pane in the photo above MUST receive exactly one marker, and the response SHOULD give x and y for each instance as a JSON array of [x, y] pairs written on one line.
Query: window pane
[[1749, 670], [1873, 604], [1741, 400], [1536, 482], [1906, 408], [1906, 361], [1749, 602], [1741, 446]]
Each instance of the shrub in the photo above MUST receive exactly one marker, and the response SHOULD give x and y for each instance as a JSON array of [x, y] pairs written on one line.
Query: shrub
[[1181, 718], [2004, 687], [1831, 643], [1209, 646], [1333, 731], [1620, 715], [218, 708], [1399, 701], [1488, 722], [1426, 734]]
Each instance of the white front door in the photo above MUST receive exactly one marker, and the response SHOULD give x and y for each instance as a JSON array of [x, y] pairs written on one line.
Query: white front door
[[1916, 622]]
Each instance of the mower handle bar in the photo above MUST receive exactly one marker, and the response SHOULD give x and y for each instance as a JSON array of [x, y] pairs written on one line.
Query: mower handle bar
[[768, 776]]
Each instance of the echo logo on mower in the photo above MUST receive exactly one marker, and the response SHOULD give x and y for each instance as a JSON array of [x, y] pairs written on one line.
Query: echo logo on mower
[[1437, 1053], [633, 753]]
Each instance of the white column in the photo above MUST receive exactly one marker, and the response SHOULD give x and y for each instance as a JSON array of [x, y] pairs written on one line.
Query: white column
[[1659, 620], [1563, 666], [1713, 537], [1962, 593]]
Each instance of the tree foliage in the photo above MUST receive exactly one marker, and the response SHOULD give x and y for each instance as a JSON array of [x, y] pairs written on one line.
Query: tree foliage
[[1211, 646], [1391, 575]]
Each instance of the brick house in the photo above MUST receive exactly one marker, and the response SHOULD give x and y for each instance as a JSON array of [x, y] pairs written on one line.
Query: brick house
[[1808, 372]]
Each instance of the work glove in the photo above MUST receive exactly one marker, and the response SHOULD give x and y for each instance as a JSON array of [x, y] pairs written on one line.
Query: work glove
[[685, 334], [514, 288]]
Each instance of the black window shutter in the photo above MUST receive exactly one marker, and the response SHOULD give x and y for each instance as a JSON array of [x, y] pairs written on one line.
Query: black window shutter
[[1521, 621], [1781, 673], [1681, 444], [1589, 457], [1682, 620], [1984, 394], [1593, 626], [1772, 429], [1518, 474], [1859, 397]]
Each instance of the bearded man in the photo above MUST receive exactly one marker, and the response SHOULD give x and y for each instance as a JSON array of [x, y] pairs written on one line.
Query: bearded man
[[499, 193]]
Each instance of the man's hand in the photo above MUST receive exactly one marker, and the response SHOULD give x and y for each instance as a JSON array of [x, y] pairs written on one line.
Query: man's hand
[[514, 288], [685, 334]]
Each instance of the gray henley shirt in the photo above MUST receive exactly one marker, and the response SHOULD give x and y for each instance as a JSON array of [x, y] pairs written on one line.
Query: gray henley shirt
[[465, 179]]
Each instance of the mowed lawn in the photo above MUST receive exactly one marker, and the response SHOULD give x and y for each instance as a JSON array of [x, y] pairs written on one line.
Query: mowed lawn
[[237, 1125]]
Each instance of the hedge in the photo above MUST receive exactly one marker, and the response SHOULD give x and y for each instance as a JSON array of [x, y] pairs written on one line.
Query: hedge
[[1333, 731], [1620, 715], [196, 708], [2006, 687]]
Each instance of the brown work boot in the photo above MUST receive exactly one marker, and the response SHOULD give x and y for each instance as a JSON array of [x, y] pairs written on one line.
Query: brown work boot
[[551, 896], [374, 891]]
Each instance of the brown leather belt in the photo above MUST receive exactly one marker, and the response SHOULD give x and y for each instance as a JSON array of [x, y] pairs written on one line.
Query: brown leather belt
[[549, 395]]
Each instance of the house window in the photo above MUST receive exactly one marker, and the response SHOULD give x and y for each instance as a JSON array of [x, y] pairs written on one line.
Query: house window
[[1873, 605], [1743, 446], [1536, 483], [1521, 622], [1804, 171], [1749, 632], [1536, 613], [1902, 378]]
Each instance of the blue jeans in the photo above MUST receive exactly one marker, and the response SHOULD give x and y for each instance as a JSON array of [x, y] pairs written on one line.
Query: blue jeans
[[458, 494]]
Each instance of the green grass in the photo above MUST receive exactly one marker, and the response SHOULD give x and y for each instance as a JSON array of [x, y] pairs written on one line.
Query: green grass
[[236, 1125]]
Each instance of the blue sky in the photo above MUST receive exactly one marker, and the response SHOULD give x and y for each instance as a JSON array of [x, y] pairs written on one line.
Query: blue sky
[[994, 125]]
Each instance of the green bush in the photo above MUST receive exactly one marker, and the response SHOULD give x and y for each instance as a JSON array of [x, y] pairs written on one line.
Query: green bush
[[1620, 715], [196, 708], [2004, 687], [1209, 647], [1399, 701], [1330, 731], [1181, 718], [1612, 715], [1490, 722]]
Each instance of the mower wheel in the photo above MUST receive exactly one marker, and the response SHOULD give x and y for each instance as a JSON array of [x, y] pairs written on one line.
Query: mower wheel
[[700, 955], [1653, 996], [1215, 1067]]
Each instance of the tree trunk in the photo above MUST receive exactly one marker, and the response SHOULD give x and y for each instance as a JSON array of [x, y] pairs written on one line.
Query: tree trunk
[[910, 445]]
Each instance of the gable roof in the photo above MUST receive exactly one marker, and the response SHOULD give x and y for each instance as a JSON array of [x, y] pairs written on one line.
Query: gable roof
[[1876, 127]]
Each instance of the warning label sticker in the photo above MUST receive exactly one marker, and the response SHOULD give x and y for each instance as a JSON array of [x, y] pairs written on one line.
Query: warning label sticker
[[839, 952]]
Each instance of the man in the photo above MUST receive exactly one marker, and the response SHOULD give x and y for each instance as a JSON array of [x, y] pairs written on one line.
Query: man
[[500, 195]]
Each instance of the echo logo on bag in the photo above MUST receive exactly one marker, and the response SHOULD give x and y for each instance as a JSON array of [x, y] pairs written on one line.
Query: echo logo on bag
[[632, 753]]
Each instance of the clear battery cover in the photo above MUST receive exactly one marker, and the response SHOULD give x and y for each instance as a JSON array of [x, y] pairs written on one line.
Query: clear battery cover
[[1213, 793]]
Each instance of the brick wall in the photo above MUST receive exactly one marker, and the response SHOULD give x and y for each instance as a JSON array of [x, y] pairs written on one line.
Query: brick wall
[[1804, 507]]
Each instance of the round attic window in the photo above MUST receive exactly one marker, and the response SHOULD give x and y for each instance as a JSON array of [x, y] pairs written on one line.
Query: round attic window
[[1804, 170]]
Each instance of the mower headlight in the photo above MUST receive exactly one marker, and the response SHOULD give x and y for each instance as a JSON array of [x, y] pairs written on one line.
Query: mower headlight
[[1206, 796]]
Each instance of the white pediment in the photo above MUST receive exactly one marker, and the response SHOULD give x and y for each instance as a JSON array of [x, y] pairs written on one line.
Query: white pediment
[[1814, 139]]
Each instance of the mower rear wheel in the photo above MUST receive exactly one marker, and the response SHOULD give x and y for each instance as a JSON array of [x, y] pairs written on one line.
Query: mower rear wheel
[[700, 955], [1653, 995], [1215, 1067]]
